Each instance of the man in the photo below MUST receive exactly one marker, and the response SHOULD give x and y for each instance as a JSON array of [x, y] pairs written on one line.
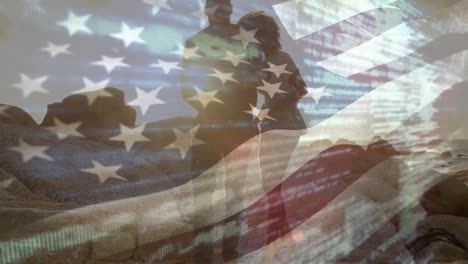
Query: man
[[220, 82]]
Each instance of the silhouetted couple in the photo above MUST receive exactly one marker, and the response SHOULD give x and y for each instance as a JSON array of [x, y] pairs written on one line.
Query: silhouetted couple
[[225, 65]]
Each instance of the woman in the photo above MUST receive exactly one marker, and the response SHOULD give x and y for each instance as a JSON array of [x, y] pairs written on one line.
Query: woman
[[283, 125]]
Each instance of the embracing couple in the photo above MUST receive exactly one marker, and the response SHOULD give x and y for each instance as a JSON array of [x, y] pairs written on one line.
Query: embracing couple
[[227, 69]]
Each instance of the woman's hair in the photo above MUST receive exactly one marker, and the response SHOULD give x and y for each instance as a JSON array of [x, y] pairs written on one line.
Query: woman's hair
[[268, 32]]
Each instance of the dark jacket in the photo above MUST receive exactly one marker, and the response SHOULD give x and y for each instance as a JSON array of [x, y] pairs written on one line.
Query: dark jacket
[[283, 106], [222, 125]]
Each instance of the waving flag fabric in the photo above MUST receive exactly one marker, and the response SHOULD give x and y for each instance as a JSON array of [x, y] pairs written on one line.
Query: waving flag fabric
[[100, 143]]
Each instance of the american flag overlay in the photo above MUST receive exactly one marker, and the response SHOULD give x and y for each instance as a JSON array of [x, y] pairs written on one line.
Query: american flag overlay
[[233, 131]]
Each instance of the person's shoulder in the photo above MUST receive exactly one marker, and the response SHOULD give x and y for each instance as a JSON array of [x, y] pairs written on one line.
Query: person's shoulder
[[233, 26], [199, 39], [284, 55], [227, 30], [281, 57], [190, 42], [198, 35]]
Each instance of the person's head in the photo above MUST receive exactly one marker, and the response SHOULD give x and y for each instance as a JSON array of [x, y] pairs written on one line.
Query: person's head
[[218, 11], [268, 33]]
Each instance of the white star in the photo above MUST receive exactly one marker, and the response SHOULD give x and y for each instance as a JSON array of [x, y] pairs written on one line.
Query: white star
[[146, 99], [130, 136], [236, 59], [200, 13], [166, 66], [189, 53], [111, 63], [259, 113], [28, 152], [205, 98], [29, 86], [129, 35], [246, 37], [157, 5], [277, 69], [271, 89], [75, 24], [94, 90], [65, 130], [224, 77], [317, 93], [104, 172], [184, 140], [55, 50]]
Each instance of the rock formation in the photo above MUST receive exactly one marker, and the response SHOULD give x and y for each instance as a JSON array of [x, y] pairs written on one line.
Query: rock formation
[[97, 120]]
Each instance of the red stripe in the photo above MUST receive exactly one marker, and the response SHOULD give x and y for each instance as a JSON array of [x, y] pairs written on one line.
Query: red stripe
[[345, 35], [452, 43]]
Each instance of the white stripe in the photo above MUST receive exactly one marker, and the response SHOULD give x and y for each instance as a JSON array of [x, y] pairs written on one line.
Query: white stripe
[[394, 43], [302, 18], [389, 46], [391, 104]]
